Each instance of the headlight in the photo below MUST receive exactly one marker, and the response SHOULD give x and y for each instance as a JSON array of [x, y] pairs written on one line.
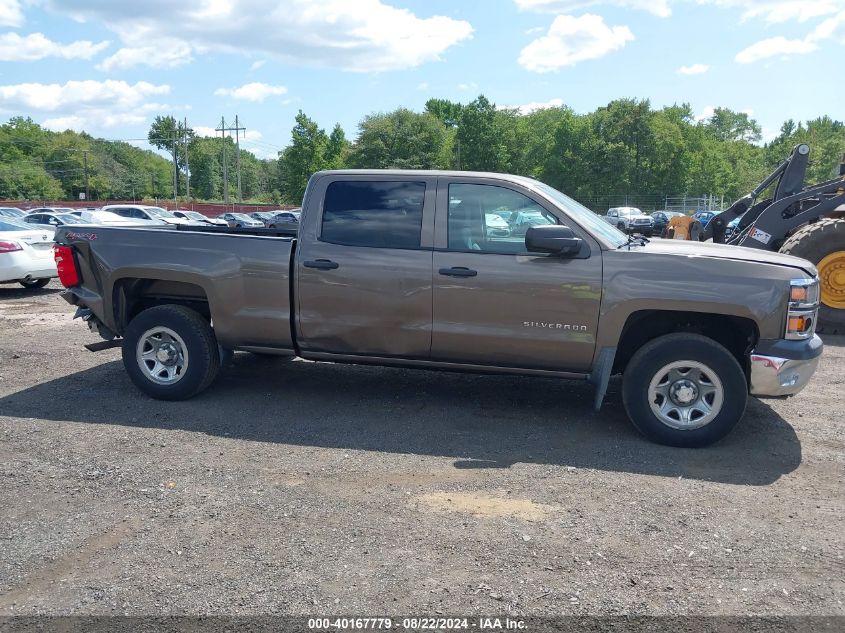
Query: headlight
[[803, 308]]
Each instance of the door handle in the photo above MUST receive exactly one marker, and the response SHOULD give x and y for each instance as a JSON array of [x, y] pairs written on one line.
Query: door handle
[[458, 271], [321, 264]]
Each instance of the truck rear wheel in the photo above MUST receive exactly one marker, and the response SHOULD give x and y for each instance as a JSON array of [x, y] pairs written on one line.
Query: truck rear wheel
[[684, 390], [823, 243], [170, 352]]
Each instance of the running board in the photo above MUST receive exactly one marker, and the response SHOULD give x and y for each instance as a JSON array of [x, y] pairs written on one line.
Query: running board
[[99, 347]]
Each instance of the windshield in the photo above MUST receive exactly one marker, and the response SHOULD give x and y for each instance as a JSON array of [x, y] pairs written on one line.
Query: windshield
[[242, 216], [8, 224], [11, 212], [193, 215], [586, 218], [159, 212]]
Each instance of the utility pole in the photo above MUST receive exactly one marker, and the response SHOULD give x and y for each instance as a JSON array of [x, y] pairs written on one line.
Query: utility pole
[[222, 130], [187, 164], [238, 155], [237, 129], [85, 162], [175, 172]]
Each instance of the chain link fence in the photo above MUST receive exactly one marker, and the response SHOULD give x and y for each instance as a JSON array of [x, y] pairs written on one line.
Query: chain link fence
[[649, 202]]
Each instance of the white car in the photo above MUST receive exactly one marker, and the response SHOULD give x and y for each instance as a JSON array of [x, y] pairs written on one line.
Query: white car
[[26, 254], [112, 219], [145, 212], [198, 217], [497, 226], [630, 220]]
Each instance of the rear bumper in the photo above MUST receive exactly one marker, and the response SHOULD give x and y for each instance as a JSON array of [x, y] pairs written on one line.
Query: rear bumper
[[21, 265], [783, 368]]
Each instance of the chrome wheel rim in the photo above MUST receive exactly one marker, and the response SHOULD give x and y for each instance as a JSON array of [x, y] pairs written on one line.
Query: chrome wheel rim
[[162, 355], [686, 395]]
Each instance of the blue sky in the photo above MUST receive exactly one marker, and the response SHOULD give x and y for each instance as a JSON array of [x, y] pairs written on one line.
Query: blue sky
[[109, 67]]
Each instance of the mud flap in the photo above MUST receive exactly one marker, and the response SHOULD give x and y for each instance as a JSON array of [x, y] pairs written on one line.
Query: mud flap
[[600, 375]]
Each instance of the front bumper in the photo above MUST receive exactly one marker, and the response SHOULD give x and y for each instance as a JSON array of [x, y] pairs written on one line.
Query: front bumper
[[783, 368]]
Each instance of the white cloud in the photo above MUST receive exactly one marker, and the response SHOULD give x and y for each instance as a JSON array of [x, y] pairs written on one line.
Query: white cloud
[[779, 11], [11, 13], [165, 54], [777, 46], [831, 28], [423, 85], [660, 8], [82, 105], [364, 36], [695, 69], [571, 40], [257, 64], [256, 92], [533, 106], [706, 114], [771, 11], [202, 130], [35, 46], [468, 86]]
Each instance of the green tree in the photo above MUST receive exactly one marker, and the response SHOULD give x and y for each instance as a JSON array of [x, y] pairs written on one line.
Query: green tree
[[728, 125], [479, 136], [305, 155], [402, 139]]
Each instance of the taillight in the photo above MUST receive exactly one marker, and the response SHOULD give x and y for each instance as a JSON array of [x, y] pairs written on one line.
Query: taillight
[[8, 246], [66, 265]]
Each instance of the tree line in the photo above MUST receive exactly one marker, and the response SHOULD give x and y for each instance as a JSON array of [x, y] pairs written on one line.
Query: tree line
[[626, 147]]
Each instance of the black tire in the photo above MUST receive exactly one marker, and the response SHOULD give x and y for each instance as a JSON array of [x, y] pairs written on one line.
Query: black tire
[[814, 242], [655, 355], [272, 226], [34, 283], [203, 352], [621, 227]]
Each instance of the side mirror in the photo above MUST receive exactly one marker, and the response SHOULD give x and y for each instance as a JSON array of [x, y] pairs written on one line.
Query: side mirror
[[53, 221], [556, 239]]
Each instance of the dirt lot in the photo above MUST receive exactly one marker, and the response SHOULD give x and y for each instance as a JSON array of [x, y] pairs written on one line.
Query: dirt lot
[[298, 488]]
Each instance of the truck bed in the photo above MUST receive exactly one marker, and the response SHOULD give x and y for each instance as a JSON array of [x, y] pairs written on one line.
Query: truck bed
[[240, 277]]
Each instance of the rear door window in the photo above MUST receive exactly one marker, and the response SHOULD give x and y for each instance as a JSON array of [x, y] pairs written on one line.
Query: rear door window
[[380, 214]]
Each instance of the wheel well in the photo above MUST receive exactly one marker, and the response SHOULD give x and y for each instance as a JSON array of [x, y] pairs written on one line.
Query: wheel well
[[132, 296], [737, 334]]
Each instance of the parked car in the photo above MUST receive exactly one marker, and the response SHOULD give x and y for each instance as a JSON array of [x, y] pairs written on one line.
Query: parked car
[[731, 227], [661, 219], [630, 220], [145, 212], [52, 219], [374, 276], [263, 216], [520, 221], [113, 219], [283, 219], [704, 216], [196, 216], [26, 254], [49, 210], [11, 212], [240, 220], [496, 225]]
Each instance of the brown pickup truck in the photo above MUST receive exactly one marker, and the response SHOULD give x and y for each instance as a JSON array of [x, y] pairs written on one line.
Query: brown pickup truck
[[461, 271]]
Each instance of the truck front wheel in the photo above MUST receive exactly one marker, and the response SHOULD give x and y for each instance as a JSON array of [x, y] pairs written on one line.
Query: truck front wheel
[[684, 390], [170, 352]]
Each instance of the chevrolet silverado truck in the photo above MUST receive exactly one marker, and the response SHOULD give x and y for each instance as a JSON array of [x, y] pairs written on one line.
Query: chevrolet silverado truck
[[395, 267]]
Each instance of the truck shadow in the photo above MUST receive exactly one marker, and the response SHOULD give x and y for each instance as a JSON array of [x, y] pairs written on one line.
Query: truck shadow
[[479, 421]]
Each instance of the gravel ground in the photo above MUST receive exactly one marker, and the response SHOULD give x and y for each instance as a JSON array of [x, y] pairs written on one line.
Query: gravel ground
[[305, 488]]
